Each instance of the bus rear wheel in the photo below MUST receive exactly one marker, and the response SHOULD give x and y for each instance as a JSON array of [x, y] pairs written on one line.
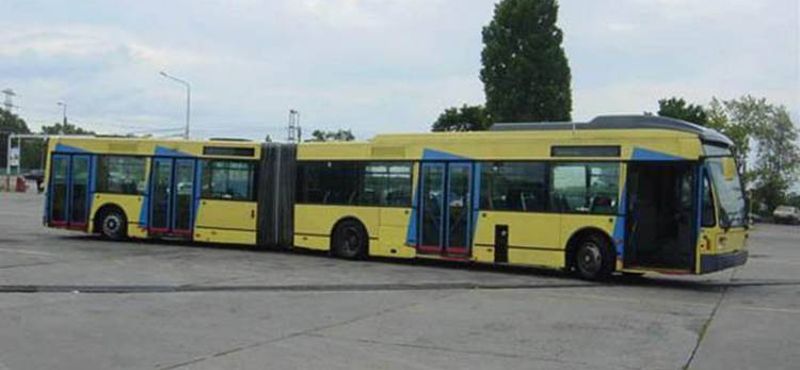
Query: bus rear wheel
[[594, 259], [113, 224], [350, 240]]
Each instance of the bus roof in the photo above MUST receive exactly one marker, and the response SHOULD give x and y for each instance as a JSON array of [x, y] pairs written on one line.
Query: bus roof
[[620, 122]]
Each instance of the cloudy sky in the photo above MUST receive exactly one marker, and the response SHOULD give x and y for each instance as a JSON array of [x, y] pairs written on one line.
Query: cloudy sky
[[372, 66]]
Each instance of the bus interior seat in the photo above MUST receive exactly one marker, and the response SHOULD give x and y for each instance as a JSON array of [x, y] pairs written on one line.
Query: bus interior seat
[[602, 204]]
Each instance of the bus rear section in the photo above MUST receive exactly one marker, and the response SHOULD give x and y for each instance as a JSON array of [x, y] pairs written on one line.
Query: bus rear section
[[190, 190]]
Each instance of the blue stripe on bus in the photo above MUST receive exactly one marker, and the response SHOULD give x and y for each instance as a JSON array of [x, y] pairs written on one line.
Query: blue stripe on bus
[[165, 152], [701, 173], [92, 185], [198, 171], [61, 148], [476, 200], [619, 225], [435, 155], [641, 154]]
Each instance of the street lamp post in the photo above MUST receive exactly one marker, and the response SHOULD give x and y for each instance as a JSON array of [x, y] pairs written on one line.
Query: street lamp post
[[188, 99]]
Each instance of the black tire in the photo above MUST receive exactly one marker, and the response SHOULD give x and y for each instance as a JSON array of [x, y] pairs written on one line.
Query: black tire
[[593, 258], [350, 240], [113, 224]]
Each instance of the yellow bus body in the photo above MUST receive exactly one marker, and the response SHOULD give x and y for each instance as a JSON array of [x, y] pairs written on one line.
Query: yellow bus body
[[534, 239]]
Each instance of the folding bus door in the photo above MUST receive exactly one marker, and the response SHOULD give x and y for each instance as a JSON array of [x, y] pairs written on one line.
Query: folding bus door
[[68, 194], [58, 194], [445, 225], [458, 233], [172, 196], [183, 201], [80, 169]]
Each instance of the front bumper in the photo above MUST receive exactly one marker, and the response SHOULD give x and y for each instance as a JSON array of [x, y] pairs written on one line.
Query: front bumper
[[717, 262]]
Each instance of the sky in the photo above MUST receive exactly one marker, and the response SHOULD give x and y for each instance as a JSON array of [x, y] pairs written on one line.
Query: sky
[[372, 66]]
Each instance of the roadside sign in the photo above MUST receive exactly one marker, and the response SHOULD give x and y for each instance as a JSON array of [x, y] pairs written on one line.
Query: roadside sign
[[13, 157]]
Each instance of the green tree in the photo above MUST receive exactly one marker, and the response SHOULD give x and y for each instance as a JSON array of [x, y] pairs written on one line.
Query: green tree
[[678, 108], [751, 123], [739, 132], [10, 123], [754, 123], [793, 200], [778, 158], [339, 135], [65, 128], [466, 118], [525, 72]]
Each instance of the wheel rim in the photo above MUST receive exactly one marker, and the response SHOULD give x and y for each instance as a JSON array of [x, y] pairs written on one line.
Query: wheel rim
[[350, 240], [590, 258], [111, 224]]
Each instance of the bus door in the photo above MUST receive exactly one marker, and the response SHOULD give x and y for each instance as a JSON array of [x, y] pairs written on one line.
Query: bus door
[[172, 196], [69, 191], [445, 225], [661, 228]]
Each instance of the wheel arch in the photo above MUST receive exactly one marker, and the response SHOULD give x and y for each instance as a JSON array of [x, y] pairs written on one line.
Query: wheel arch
[[98, 215], [345, 219], [580, 234]]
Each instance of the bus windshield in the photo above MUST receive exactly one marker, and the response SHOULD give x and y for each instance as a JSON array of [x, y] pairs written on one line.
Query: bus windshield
[[733, 212]]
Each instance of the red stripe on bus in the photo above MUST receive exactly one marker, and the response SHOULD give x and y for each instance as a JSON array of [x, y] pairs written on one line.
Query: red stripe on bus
[[429, 248]]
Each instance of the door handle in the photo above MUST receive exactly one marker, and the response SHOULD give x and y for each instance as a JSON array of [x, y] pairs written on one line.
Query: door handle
[[252, 213]]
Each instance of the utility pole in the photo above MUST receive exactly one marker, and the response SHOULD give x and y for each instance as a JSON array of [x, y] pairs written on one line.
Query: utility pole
[[63, 115], [294, 132], [188, 99]]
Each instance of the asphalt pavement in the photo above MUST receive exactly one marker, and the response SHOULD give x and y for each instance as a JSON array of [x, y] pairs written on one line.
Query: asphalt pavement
[[73, 301]]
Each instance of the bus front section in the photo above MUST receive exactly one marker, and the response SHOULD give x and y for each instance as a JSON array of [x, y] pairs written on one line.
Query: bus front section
[[724, 220], [685, 216]]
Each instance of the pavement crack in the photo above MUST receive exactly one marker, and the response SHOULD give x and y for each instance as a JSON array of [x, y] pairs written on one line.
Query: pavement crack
[[306, 332], [707, 324], [461, 352]]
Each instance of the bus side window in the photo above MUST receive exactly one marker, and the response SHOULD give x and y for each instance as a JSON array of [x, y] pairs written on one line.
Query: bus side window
[[228, 180], [121, 174], [514, 186], [371, 184], [585, 187]]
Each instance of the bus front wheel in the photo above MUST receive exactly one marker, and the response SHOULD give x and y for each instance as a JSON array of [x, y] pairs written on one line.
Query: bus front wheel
[[113, 224], [594, 259], [350, 240]]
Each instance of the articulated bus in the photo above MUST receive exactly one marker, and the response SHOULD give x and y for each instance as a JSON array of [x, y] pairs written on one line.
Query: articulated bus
[[630, 194]]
